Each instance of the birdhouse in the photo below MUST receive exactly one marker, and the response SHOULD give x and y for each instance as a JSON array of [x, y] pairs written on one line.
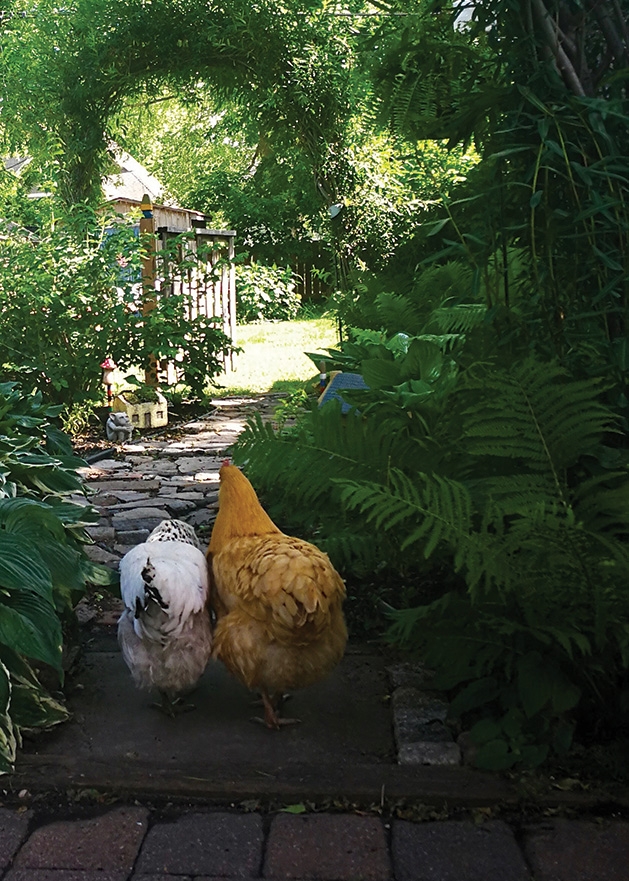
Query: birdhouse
[[148, 414]]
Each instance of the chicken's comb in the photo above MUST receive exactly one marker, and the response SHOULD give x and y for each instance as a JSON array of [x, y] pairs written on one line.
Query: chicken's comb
[[226, 462]]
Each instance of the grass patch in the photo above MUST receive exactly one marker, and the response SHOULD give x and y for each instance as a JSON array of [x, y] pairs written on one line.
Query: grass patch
[[273, 356]]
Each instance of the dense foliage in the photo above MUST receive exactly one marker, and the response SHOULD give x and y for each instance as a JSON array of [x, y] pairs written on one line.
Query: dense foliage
[[70, 296], [484, 302], [43, 571], [501, 476], [265, 293]]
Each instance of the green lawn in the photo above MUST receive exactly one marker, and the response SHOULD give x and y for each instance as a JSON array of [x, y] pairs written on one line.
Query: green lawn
[[273, 356]]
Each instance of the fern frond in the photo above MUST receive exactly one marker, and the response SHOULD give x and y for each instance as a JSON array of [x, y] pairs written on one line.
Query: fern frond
[[397, 312], [534, 414], [433, 509], [328, 445], [458, 318]]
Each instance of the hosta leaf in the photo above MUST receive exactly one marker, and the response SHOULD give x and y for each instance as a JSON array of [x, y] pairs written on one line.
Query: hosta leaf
[[495, 756], [30, 518], [378, 373], [535, 683], [476, 694], [21, 566], [8, 740], [72, 514], [44, 474], [31, 705], [30, 626]]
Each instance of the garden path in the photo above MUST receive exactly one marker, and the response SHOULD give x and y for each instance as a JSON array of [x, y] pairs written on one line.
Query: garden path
[[202, 795]]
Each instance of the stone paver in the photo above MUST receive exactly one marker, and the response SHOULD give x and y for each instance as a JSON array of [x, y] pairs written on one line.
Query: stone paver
[[107, 843], [204, 844], [326, 847], [579, 850], [456, 851], [13, 829]]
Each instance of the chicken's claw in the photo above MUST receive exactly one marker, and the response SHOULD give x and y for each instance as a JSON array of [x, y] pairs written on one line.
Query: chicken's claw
[[271, 718], [172, 707]]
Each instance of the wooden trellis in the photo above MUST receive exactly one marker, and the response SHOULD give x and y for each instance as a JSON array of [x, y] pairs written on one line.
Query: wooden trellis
[[196, 265], [200, 267]]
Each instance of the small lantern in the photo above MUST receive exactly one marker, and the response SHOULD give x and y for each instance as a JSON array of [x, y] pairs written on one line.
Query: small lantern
[[108, 366]]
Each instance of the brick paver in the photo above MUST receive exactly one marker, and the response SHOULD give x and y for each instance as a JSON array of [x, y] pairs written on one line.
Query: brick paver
[[13, 829], [456, 851], [204, 844], [579, 850], [107, 843], [63, 875], [327, 847]]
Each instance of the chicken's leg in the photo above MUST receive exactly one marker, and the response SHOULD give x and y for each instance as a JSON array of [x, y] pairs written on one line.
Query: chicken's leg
[[172, 706], [271, 718]]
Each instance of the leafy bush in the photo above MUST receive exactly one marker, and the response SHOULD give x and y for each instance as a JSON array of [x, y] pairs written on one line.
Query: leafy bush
[[500, 475], [70, 297], [265, 293], [43, 571]]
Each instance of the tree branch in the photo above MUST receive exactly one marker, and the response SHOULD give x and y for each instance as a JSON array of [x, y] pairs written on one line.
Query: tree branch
[[550, 34], [604, 16]]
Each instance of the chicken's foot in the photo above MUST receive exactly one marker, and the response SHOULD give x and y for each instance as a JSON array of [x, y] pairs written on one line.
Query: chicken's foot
[[271, 718], [172, 706]]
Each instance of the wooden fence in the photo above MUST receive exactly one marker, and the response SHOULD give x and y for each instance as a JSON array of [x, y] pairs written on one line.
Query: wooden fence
[[197, 266]]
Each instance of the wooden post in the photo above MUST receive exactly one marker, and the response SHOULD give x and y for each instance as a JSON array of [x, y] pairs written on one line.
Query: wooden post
[[149, 301]]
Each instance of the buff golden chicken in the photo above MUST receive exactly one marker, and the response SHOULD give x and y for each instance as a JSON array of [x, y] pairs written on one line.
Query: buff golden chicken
[[277, 600], [164, 631]]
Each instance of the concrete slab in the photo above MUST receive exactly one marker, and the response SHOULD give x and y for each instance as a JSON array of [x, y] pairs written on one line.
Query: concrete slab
[[344, 719], [343, 750]]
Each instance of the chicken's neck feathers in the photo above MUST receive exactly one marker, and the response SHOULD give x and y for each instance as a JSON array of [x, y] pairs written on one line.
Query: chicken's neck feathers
[[240, 512]]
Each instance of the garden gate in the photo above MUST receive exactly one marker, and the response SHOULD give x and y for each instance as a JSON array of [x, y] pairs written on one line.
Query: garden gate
[[197, 265]]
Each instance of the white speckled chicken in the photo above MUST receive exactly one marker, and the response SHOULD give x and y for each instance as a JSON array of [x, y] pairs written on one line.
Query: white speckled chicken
[[164, 631], [278, 599]]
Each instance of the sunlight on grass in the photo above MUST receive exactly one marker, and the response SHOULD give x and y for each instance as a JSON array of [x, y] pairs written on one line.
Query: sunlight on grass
[[273, 356]]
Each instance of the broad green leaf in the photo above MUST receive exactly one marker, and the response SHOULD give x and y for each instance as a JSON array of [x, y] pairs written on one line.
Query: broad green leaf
[[294, 809], [495, 756], [30, 518], [476, 694], [378, 373], [535, 683], [8, 739], [485, 731], [31, 705], [22, 567], [32, 628]]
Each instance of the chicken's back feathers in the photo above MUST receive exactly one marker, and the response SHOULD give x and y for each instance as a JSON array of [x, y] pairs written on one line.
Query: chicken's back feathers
[[277, 599], [284, 582], [164, 631], [170, 575]]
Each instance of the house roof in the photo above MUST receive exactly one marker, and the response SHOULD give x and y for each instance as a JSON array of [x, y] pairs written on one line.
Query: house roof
[[131, 181]]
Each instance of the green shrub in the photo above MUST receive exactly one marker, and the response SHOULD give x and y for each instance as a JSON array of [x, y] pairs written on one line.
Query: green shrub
[[499, 475], [69, 298], [265, 293], [43, 570]]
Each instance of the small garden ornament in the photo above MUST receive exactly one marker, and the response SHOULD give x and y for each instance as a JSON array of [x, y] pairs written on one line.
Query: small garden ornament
[[118, 427]]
